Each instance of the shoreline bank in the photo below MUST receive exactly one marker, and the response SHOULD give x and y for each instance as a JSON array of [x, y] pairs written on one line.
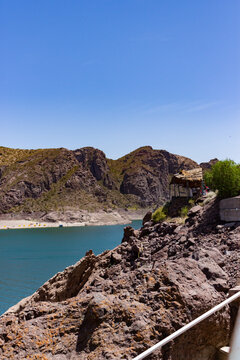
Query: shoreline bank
[[99, 218]]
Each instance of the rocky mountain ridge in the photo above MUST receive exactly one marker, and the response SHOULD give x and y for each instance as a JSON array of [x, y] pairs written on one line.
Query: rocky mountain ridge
[[44, 180], [117, 304]]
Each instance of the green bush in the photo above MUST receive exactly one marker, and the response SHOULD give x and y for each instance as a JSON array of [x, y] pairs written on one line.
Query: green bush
[[191, 202], [225, 178], [184, 211], [159, 215]]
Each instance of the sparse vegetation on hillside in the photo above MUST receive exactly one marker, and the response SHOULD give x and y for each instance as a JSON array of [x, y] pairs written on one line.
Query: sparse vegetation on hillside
[[129, 163], [225, 178], [9, 156], [159, 215], [184, 211]]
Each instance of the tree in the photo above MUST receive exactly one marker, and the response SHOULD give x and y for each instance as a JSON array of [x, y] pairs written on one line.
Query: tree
[[224, 177]]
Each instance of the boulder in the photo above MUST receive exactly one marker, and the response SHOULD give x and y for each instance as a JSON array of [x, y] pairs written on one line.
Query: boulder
[[147, 217]]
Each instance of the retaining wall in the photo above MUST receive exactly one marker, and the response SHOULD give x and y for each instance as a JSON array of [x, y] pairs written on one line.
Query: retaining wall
[[230, 209]]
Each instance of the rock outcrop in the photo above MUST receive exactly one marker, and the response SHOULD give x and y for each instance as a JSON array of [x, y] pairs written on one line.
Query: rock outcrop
[[117, 304], [207, 165], [146, 172]]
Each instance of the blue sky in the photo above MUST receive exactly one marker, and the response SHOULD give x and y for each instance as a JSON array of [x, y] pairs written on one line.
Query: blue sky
[[120, 74]]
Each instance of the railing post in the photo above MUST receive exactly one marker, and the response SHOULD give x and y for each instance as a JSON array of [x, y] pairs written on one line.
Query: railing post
[[235, 341]]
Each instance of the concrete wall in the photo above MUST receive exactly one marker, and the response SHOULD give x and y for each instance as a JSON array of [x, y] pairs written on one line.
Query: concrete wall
[[230, 209]]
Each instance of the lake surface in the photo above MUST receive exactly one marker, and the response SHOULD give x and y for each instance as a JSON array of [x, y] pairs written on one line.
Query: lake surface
[[29, 257]]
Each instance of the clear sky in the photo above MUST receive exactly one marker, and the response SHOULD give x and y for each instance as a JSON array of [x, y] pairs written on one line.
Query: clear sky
[[120, 74]]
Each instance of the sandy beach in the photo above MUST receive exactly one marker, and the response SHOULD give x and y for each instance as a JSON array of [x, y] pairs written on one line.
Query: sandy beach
[[89, 219], [27, 224]]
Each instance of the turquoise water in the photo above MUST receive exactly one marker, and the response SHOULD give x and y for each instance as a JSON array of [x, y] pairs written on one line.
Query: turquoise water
[[30, 257]]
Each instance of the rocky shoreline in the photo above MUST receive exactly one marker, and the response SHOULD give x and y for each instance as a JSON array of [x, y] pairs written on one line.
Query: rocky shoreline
[[69, 218], [117, 304]]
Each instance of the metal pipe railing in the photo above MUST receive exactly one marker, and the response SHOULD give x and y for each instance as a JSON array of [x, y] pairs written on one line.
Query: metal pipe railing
[[235, 343], [187, 327]]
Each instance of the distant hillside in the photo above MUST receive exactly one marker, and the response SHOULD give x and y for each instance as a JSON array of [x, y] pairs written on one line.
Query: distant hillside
[[207, 165], [46, 180]]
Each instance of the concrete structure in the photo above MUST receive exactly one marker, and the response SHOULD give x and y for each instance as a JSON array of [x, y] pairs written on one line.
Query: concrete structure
[[187, 183], [230, 209]]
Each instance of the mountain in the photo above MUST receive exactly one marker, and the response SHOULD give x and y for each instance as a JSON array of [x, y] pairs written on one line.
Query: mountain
[[121, 302], [44, 180], [208, 165]]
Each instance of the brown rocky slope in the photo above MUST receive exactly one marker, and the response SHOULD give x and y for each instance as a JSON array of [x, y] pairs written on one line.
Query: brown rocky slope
[[45, 180], [117, 304]]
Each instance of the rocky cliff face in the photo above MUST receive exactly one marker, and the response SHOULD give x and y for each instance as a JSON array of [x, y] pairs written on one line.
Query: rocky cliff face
[[117, 304], [95, 160], [147, 173], [58, 179]]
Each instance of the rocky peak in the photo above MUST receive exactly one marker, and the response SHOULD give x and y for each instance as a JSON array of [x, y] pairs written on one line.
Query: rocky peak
[[207, 165], [146, 173]]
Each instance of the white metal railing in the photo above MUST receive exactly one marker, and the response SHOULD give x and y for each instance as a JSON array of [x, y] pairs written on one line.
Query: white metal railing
[[235, 344], [189, 326]]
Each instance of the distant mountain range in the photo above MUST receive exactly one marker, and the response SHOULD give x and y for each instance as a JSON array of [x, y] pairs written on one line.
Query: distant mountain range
[[46, 180]]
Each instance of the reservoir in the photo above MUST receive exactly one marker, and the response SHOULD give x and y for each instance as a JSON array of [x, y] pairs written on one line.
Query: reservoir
[[28, 258]]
